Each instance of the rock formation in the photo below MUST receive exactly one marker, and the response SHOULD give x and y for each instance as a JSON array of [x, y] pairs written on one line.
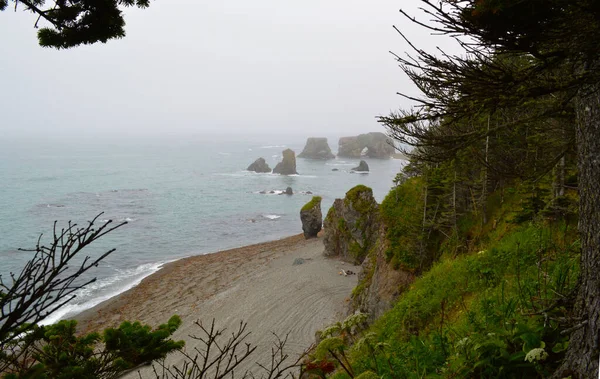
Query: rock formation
[[288, 165], [289, 191], [316, 148], [349, 147], [259, 165], [311, 217], [362, 167], [377, 145], [352, 225], [379, 284]]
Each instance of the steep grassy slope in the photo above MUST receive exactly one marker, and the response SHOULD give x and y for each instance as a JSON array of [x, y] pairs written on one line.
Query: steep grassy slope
[[495, 303]]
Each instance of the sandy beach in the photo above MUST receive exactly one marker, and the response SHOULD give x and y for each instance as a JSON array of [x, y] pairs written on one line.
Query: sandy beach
[[258, 284]]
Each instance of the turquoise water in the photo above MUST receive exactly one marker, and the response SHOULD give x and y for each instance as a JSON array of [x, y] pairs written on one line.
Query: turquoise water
[[180, 196]]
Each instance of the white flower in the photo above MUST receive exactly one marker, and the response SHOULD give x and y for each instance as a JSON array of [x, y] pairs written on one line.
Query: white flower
[[537, 354]]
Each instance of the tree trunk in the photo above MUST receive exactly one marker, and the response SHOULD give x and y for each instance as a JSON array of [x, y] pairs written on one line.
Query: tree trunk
[[581, 360]]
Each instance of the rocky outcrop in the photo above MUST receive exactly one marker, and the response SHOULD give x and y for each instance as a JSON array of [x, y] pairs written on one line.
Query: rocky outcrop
[[288, 165], [316, 148], [352, 225], [379, 284], [259, 165], [289, 191], [311, 217], [373, 145], [349, 147], [362, 167]]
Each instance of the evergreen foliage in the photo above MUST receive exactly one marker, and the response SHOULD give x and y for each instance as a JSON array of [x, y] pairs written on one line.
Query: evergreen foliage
[[57, 351], [75, 22]]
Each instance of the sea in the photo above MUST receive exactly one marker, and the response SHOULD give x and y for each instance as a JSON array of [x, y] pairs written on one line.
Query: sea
[[180, 196]]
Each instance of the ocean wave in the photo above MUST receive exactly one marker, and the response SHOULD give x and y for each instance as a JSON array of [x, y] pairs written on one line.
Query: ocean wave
[[340, 164], [47, 205], [102, 290], [272, 147], [271, 217], [270, 192], [248, 173]]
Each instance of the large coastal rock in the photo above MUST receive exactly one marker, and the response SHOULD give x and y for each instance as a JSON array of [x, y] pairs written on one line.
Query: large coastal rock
[[259, 165], [379, 283], [373, 145], [316, 148], [311, 217], [288, 165], [362, 167], [352, 225], [349, 147]]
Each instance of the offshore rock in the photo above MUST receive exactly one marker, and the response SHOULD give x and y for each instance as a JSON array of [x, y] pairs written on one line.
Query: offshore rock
[[349, 147], [362, 167], [352, 225], [316, 148], [312, 218], [373, 145], [259, 165], [288, 165], [289, 191]]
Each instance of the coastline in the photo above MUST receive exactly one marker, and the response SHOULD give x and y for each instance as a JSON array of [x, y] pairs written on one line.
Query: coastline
[[257, 284]]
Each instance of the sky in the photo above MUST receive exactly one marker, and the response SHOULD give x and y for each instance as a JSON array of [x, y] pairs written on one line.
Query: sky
[[234, 66]]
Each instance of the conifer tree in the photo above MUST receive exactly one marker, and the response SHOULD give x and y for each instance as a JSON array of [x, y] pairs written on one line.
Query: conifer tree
[[519, 54]]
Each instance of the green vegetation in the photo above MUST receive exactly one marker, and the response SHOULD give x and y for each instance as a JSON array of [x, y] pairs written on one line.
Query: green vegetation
[[361, 197], [56, 351], [491, 312], [402, 212], [316, 200]]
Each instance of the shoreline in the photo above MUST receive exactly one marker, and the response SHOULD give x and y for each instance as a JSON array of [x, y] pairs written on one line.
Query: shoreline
[[258, 284]]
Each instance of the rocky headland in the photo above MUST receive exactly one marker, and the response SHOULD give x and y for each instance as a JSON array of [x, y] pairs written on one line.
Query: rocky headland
[[355, 232]]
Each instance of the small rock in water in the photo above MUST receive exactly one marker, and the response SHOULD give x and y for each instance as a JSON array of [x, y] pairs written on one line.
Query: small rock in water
[[309, 193], [298, 261], [362, 167], [335, 169], [289, 191], [271, 191]]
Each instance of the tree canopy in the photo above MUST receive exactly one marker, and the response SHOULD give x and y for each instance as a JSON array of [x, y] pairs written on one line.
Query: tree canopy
[[72, 23]]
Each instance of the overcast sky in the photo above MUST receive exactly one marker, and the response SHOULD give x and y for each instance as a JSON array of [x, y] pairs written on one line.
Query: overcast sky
[[192, 67]]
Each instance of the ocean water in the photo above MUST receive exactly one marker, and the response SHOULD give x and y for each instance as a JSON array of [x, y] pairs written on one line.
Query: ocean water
[[180, 197]]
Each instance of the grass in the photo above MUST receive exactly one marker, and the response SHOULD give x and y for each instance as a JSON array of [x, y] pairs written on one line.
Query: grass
[[316, 200]]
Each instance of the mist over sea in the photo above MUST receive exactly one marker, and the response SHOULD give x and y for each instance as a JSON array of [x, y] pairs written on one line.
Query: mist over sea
[[181, 196]]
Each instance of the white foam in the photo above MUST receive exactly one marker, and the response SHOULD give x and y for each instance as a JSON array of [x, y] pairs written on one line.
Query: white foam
[[127, 278], [271, 217], [272, 147]]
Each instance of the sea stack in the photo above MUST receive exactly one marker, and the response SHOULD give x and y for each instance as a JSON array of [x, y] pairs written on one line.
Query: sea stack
[[259, 165], [373, 145], [352, 225], [288, 165], [316, 148], [311, 217]]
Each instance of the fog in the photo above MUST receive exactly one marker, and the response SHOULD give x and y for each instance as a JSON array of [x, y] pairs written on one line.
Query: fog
[[190, 68]]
